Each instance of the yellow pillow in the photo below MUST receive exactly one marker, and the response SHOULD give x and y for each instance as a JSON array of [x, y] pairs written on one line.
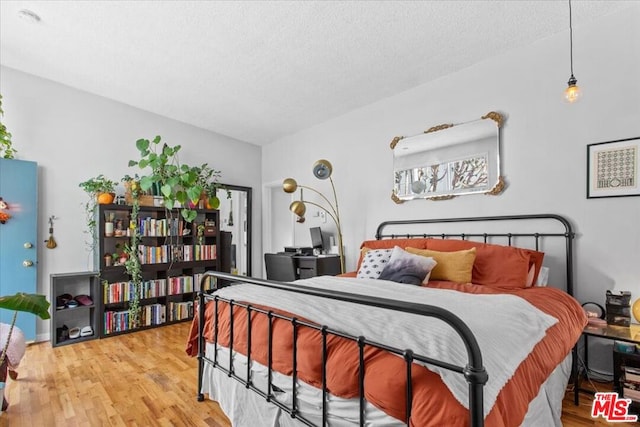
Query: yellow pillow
[[452, 266]]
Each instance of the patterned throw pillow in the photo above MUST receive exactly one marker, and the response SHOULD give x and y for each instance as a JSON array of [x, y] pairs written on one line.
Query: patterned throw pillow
[[404, 267], [373, 262]]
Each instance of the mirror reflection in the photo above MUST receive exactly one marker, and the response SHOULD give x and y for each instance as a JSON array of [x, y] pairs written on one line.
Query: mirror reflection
[[235, 230], [449, 160]]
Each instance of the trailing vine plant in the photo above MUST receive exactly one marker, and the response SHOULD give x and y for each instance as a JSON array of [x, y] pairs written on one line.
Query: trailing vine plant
[[92, 187], [132, 265], [6, 148]]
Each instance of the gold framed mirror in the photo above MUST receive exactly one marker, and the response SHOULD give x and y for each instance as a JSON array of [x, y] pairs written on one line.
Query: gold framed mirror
[[449, 160]]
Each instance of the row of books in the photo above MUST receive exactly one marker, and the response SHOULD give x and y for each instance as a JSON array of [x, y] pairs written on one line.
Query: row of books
[[180, 310], [123, 291], [117, 292], [180, 285], [209, 283], [120, 321], [631, 383], [176, 253], [160, 227]]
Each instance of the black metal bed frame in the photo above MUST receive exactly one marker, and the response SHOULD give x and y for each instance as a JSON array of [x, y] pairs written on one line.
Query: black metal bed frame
[[474, 372]]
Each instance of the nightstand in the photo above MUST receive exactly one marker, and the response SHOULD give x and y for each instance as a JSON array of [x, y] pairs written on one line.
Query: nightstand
[[629, 334]]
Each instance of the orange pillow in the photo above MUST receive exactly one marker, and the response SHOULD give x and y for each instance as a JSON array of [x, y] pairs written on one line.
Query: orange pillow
[[456, 266], [495, 265]]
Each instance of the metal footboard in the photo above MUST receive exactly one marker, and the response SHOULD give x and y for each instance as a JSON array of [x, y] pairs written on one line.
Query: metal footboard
[[474, 372]]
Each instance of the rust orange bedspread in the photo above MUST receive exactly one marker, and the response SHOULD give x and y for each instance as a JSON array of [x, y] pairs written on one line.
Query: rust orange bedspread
[[385, 373]]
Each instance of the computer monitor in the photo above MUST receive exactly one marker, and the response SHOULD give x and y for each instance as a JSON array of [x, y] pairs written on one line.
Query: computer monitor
[[316, 238]]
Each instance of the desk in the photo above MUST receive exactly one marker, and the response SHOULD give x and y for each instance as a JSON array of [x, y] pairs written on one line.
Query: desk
[[312, 266]]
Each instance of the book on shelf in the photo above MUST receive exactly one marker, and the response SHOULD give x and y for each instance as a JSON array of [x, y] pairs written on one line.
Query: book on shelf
[[632, 374], [631, 390]]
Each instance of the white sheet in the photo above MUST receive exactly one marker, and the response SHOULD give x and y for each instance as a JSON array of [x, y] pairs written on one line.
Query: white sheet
[[505, 336], [244, 408]]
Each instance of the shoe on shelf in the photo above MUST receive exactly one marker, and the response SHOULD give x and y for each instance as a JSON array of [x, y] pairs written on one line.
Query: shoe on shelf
[[62, 300], [62, 333], [74, 333], [84, 300], [87, 331]]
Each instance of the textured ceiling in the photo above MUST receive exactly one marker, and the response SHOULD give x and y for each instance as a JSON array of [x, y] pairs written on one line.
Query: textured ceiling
[[259, 70]]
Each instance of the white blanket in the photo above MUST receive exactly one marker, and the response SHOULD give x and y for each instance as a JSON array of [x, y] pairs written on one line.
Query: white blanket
[[506, 327]]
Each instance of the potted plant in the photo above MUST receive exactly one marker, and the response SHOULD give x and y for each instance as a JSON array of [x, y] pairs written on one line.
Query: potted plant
[[29, 303], [178, 183], [208, 179], [96, 188], [6, 148], [100, 187]]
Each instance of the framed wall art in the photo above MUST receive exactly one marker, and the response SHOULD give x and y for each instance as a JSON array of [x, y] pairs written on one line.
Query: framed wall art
[[612, 168]]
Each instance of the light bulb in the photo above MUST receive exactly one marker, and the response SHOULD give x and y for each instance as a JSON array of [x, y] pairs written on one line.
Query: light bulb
[[572, 92]]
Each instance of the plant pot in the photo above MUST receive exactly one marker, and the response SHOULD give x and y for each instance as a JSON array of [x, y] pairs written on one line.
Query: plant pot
[[105, 198]]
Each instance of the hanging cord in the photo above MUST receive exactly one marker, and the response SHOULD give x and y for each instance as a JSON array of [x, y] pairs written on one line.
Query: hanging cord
[[570, 39]]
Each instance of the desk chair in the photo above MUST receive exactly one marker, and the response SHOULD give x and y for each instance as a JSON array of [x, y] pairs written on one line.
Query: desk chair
[[280, 267]]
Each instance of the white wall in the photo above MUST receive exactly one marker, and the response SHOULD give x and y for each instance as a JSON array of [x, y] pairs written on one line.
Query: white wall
[[74, 135], [543, 146]]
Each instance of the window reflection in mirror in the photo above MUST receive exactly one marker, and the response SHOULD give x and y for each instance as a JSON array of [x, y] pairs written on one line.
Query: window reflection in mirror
[[449, 160], [235, 229]]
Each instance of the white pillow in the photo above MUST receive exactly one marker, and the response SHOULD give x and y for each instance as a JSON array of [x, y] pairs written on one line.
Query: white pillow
[[373, 262], [543, 277]]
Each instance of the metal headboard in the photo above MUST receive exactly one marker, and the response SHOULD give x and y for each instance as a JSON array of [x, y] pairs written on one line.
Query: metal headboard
[[486, 237]]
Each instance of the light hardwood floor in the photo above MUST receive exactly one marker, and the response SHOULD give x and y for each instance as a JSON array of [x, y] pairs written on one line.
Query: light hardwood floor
[[139, 379]]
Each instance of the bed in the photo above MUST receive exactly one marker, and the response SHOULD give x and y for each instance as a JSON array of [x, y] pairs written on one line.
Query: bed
[[474, 341]]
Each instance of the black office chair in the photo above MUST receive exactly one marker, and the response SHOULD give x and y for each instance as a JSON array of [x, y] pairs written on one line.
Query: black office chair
[[280, 267]]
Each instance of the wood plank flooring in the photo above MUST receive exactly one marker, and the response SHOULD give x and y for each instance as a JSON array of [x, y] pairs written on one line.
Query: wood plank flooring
[[139, 379]]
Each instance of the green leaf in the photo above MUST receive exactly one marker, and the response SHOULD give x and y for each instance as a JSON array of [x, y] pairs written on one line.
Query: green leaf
[[213, 202], [181, 196], [166, 190], [30, 303], [142, 144], [157, 139], [168, 203], [143, 163], [188, 214], [132, 163], [146, 182], [194, 193]]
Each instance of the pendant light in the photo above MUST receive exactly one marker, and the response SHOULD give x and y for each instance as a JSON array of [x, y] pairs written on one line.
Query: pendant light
[[572, 92]]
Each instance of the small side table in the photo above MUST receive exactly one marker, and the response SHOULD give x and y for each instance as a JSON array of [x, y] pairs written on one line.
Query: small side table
[[630, 334]]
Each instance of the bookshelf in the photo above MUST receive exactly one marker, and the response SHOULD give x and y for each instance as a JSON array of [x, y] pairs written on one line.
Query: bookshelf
[[80, 316], [173, 253], [626, 373]]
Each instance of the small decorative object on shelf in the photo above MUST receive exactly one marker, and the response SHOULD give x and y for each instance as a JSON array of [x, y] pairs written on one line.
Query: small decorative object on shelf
[[635, 309], [618, 309], [210, 228]]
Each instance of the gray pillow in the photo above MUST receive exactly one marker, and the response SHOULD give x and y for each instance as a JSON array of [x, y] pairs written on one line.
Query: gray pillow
[[404, 267]]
